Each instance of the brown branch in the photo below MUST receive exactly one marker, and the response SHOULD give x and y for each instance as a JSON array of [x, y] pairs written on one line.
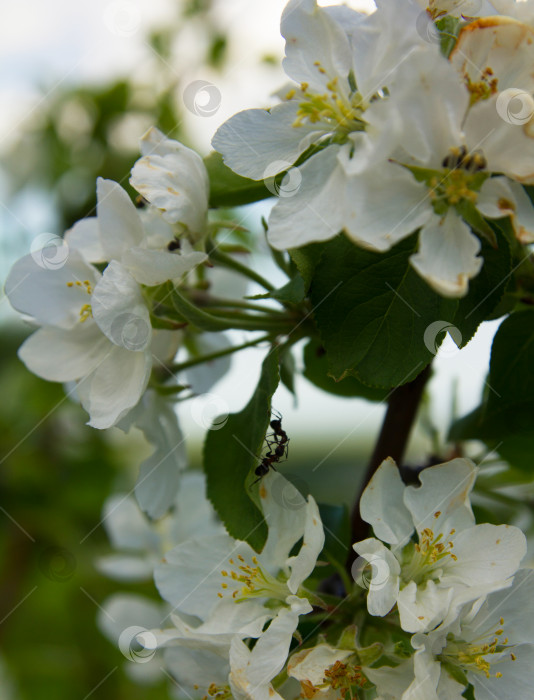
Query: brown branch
[[394, 435]]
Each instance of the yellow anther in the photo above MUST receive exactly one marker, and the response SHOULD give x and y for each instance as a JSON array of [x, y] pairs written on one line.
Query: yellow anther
[[224, 573], [70, 284], [291, 94], [85, 313]]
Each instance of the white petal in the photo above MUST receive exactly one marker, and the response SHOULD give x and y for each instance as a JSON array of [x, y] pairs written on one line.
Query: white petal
[[427, 674], [42, 293], [515, 605], [383, 41], [432, 100], [384, 205], [310, 664], [315, 211], [501, 44], [126, 526], [120, 225], [502, 197], [191, 578], [85, 237], [252, 671], [124, 610], [153, 267], [391, 682], [382, 580], [202, 378], [60, 355], [304, 562], [115, 386], [516, 681], [172, 178], [258, 143], [423, 607], [196, 669], [486, 554], [121, 567], [270, 652], [119, 309], [312, 35], [159, 475], [285, 511], [508, 147], [447, 256], [382, 506], [441, 503]]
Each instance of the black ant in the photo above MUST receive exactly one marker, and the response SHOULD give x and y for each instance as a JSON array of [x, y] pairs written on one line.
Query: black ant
[[272, 457]]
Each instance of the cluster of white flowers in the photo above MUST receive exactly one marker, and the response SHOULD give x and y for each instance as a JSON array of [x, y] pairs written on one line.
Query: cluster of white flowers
[[415, 119], [389, 136], [230, 623]]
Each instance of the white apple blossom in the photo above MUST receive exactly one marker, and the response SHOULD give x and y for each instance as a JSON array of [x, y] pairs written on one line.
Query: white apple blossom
[[465, 9], [341, 62], [523, 10], [105, 350], [252, 671], [140, 542], [452, 152], [117, 233], [326, 672], [230, 587], [489, 643], [452, 557], [174, 180]]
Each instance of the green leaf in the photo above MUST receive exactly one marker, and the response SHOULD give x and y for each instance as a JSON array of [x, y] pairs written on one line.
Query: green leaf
[[372, 311], [487, 289], [478, 223], [504, 419], [230, 454], [510, 402], [287, 370], [306, 259], [291, 293], [228, 189], [336, 523], [316, 371]]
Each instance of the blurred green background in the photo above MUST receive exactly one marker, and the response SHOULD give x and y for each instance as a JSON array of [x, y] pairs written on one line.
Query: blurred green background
[[55, 472]]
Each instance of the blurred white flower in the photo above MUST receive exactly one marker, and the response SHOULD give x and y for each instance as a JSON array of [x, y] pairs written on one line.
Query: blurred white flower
[[230, 587], [141, 543]]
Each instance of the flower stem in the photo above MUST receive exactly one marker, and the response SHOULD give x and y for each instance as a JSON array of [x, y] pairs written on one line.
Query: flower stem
[[392, 441], [228, 261], [216, 355]]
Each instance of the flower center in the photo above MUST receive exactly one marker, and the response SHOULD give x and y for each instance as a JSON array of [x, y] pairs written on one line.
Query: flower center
[[221, 692], [428, 555], [460, 181], [338, 110], [249, 580], [86, 311], [473, 656], [483, 88], [346, 678]]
